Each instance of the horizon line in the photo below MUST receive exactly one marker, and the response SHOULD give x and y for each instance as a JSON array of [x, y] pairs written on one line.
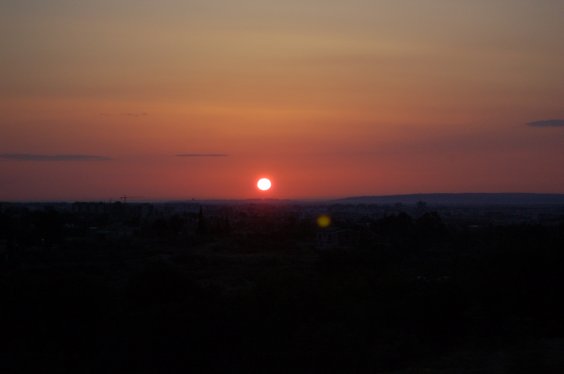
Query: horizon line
[[227, 199]]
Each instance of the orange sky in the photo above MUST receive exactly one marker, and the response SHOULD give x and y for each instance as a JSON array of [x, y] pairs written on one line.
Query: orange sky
[[329, 98]]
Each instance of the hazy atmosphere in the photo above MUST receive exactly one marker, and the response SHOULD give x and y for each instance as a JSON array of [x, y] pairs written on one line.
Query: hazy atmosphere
[[198, 99], [214, 186]]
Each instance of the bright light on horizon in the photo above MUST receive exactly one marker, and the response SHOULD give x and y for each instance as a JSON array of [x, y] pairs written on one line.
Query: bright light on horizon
[[264, 184]]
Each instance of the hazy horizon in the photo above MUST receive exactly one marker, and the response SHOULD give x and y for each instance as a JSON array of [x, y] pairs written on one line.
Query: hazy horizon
[[432, 197]]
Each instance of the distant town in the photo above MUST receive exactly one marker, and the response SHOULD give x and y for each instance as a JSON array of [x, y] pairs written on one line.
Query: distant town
[[391, 286]]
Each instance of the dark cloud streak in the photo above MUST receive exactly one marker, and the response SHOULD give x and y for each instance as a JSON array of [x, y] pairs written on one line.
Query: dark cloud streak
[[547, 123], [201, 155], [129, 114], [60, 157]]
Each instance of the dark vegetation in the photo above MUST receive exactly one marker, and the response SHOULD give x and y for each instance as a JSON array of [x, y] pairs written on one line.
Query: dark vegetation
[[145, 289]]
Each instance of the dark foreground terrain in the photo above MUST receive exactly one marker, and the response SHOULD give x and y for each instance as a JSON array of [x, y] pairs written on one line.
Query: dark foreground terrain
[[259, 287]]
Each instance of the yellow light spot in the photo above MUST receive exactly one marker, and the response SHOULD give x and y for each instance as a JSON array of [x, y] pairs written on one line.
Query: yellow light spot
[[323, 221]]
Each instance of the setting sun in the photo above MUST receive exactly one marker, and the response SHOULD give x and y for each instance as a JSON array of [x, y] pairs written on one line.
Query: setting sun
[[264, 184]]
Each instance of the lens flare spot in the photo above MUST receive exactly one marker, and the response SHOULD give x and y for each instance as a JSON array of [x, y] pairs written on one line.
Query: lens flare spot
[[323, 221]]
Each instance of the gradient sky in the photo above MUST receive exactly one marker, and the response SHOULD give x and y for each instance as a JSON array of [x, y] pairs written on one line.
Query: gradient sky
[[329, 98]]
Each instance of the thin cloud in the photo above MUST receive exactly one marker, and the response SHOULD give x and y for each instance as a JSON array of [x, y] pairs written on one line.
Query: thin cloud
[[42, 157], [547, 123], [142, 114], [128, 114], [201, 155]]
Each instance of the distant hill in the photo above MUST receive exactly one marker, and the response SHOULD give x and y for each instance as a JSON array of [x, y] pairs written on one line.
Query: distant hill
[[461, 199]]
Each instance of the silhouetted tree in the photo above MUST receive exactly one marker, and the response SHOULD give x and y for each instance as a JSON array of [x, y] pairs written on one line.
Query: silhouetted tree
[[202, 224]]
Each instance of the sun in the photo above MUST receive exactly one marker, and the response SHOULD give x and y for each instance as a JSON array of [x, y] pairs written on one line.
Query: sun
[[264, 184]]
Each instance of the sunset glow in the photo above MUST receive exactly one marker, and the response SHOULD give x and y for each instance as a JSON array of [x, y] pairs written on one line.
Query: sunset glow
[[189, 99], [264, 184]]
